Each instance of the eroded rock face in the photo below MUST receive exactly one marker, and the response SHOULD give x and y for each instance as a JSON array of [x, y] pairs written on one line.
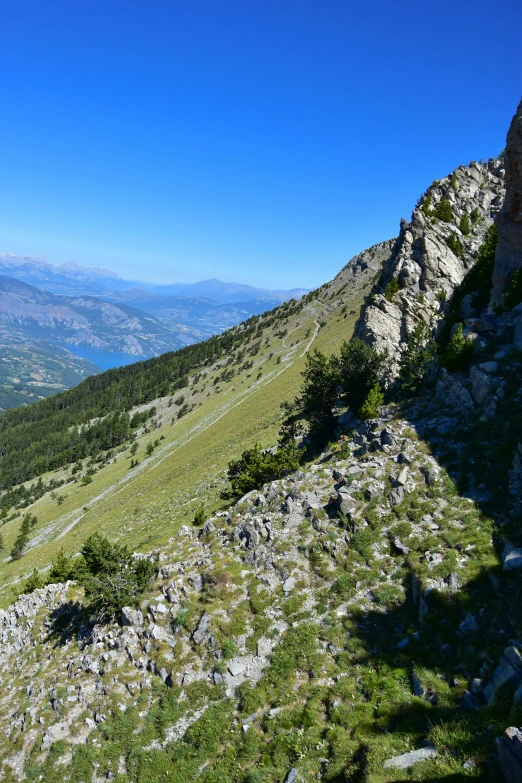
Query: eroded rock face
[[422, 263], [508, 256]]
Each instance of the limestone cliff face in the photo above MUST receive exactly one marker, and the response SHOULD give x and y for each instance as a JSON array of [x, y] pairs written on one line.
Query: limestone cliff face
[[431, 255], [508, 257]]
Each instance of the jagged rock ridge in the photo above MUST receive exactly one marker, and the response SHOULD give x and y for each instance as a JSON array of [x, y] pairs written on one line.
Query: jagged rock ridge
[[426, 269], [508, 256]]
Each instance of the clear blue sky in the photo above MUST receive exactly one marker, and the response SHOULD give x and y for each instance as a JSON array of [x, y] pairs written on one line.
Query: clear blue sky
[[263, 141]]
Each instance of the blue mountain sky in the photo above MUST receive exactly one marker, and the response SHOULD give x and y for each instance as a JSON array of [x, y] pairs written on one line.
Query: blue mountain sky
[[263, 141]]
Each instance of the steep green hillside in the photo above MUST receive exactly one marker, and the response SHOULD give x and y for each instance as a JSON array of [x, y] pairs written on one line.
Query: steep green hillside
[[211, 401]]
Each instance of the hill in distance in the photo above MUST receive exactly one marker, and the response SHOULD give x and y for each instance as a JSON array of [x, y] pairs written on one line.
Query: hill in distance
[[72, 279], [104, 320]]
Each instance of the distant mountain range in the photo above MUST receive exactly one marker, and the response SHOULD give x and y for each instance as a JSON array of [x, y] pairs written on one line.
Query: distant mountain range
[[71, 279], [226, 293], [66, 279], [31, 313], [59, 324]]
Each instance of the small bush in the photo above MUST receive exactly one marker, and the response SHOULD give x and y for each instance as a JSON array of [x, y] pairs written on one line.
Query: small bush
[[443, 211], [459, 352], [19, 546], [464, 225], [62, 568], [228, 648], [475, 215], [207, 732], [319, 392], [419, 353], [257, 466], [361, 367], [371, 405], [426, 207], [391, 289], [455, 245], [33, 582], [345, 585], [386, 595], [513, 295], [199, 516], [111, 576]]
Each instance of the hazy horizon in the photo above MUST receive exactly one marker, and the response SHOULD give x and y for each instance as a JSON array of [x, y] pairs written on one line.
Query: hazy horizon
[[260, 143]]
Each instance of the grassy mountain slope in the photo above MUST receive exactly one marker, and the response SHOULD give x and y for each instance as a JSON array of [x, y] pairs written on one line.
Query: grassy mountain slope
[[148, 502]]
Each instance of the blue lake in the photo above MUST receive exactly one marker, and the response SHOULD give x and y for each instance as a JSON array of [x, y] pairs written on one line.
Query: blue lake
[[105, 360]]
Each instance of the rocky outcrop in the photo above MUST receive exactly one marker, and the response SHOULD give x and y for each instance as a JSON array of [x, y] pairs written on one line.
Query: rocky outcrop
[[508, 255], [431, 256], [509, 748]]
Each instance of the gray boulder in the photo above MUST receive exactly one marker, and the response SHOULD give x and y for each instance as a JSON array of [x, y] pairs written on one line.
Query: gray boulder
[[131, 616], [396, 496], [387, 438], [509, 749], [469, 624], [402, 478], [407, 760], [202, 630], [400, 547], [509, 670], [513, 560]]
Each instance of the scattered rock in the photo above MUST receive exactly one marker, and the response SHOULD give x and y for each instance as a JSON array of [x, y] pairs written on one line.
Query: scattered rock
[[202, 630], [289, 584], [131, 616], [489, 367], [264, 647], [453, 582], [509, 749], [400, 547], [509, 670], [402, 478], [513, 560], [396, 496], [236, 667], [469, 624], [407, 760]]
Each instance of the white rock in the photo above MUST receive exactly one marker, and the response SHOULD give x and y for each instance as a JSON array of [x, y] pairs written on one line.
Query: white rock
[[289, 584], [402, 478], [409, 759], [264, 647], [236, 667]]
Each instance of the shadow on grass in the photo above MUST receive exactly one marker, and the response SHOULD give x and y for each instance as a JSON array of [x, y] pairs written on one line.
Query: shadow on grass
[[69, 622], [440, 659]]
